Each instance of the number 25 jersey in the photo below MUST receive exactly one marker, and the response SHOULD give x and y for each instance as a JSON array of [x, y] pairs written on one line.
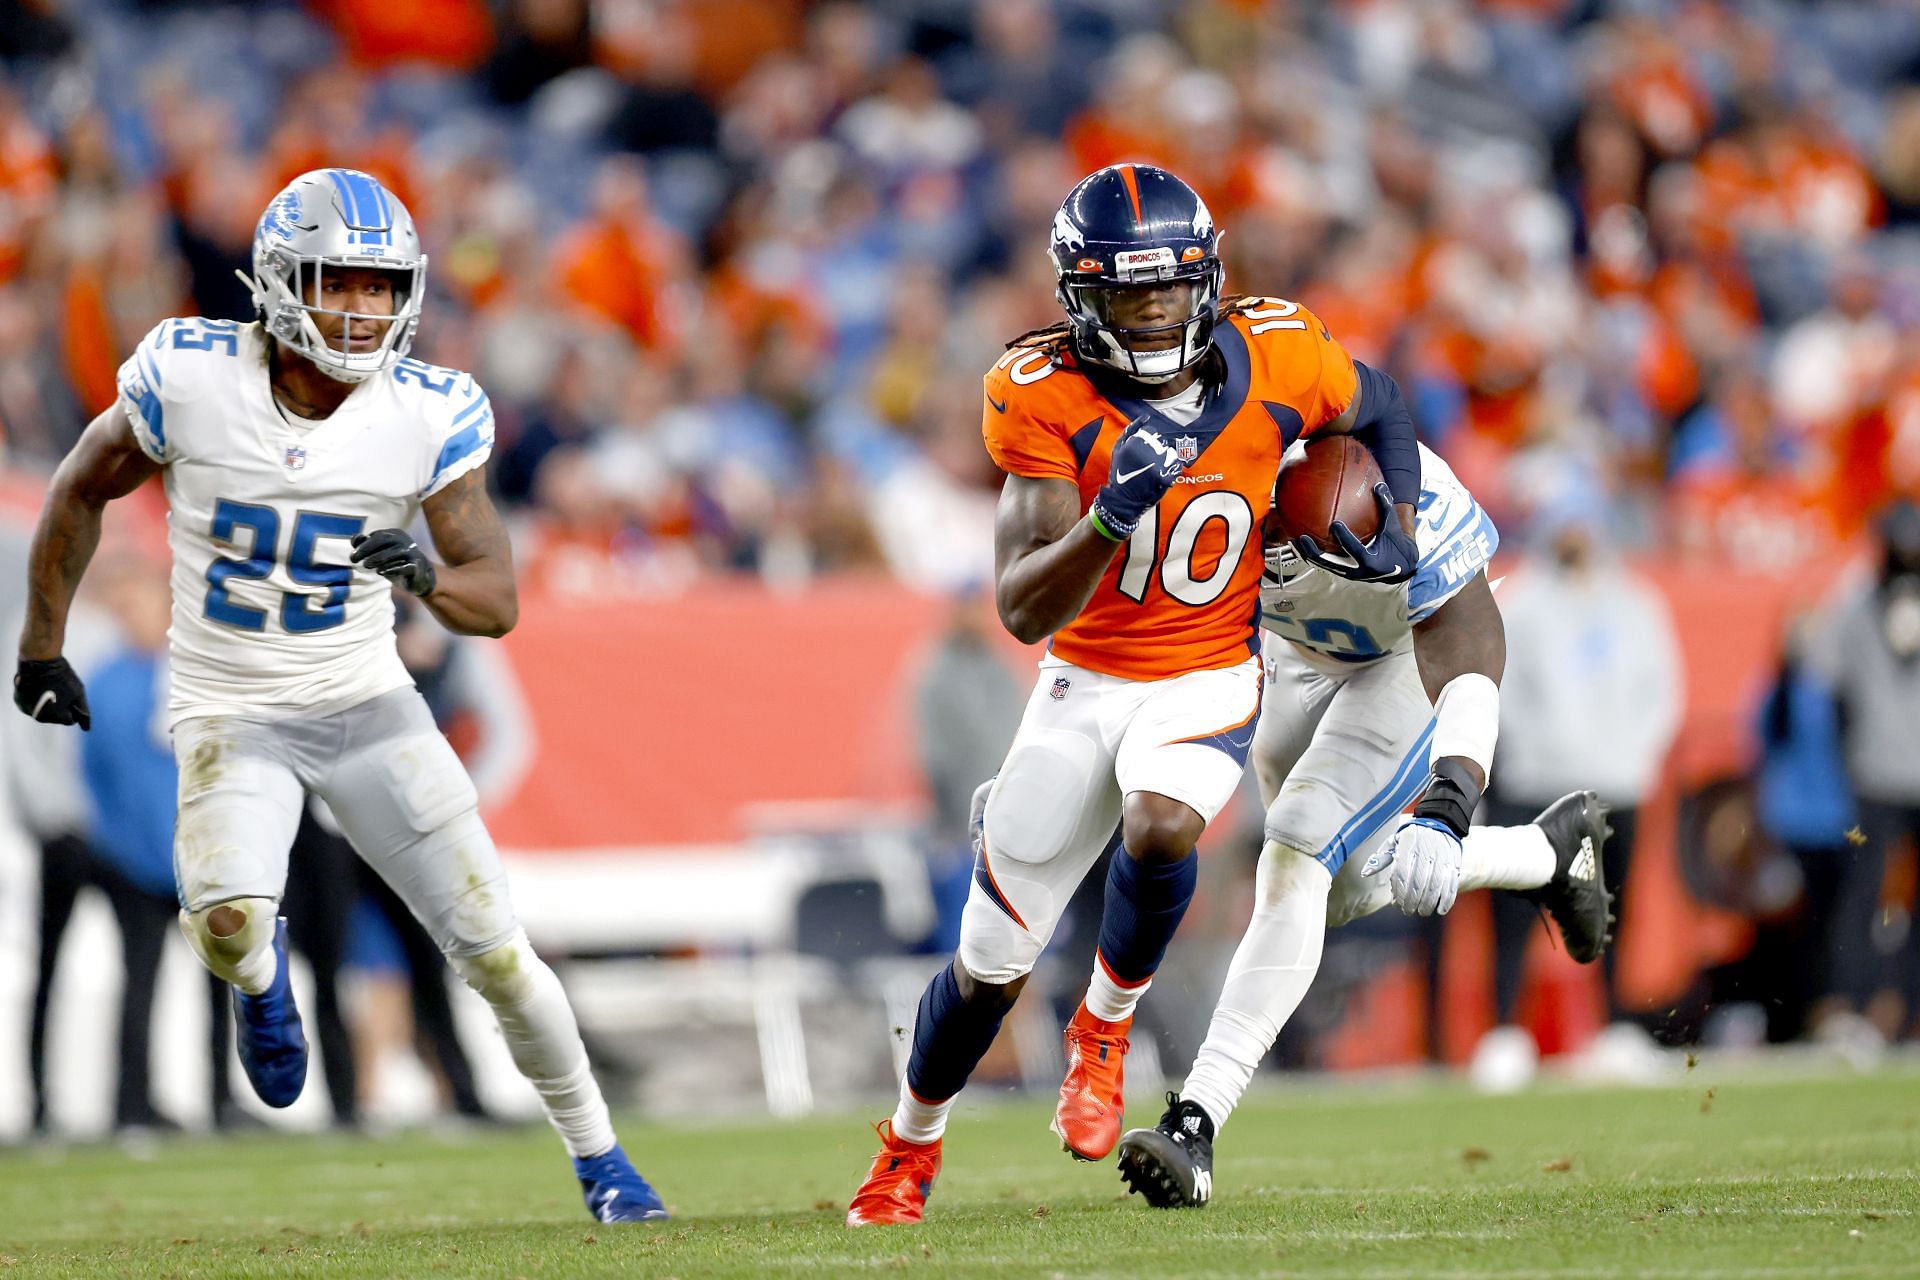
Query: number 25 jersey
[[1183, 594], [269, 617]]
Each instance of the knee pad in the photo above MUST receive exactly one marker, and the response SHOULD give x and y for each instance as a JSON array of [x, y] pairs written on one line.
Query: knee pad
[[506, 975], [1285, 873], [993, 949], [227, 957], [469, 912]]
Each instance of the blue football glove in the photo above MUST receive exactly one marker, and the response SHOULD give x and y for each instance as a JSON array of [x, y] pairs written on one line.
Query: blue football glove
[[1392, 556], [1425, 855], [1143, 468]]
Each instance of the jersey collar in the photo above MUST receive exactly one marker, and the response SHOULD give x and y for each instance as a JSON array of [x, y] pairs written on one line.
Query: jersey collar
[[1221, 407]]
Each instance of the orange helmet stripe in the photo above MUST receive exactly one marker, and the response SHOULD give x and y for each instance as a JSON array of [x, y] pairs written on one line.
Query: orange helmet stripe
[[1133, 192]]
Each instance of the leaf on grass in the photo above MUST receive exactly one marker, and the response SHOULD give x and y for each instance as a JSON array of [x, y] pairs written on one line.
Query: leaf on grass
[[1706, 1103], [590, 1238], [1476, 1155], [1871, 1216], [1693, 1060], [1557, 1166], [1040, 1211], [826, 1204]]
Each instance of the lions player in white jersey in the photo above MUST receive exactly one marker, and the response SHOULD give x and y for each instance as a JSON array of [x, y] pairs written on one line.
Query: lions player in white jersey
[[297, 452], [1377, 697]]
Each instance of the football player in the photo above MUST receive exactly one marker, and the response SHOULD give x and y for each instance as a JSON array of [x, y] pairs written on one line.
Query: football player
[[297, 451], [1141, 440], [1376, 697]]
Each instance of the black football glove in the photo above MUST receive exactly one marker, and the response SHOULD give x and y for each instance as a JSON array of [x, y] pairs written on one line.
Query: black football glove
[[50, 691], [1392, 556], [395, 556]]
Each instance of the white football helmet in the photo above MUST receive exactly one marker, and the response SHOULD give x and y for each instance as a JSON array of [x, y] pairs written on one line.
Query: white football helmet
[[333, 218]]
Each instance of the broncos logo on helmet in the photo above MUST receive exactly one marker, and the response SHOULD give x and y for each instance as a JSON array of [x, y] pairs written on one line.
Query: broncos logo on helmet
[[1123, 227]]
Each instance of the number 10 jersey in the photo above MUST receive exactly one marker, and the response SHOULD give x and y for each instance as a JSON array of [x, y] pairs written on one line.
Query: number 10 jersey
[[269, 617], [1183, 594]]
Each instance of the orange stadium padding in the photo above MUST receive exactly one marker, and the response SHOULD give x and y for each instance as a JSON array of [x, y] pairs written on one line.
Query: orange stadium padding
[[675, 722]]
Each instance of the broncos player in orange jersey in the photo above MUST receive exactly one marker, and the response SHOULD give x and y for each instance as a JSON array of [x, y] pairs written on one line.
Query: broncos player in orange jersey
[[1141, 441]]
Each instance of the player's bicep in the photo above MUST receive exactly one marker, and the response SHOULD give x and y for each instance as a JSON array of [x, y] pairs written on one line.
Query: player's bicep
[[1464, 635], [465, 525], [107, 462], [1033, 513]]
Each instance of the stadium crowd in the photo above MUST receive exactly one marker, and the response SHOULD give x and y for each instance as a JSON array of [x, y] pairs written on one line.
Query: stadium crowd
[[731, 269]]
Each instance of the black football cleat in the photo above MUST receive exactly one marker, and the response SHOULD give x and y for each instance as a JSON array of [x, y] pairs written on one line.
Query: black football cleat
[[1577, 897], [1171, 1164]]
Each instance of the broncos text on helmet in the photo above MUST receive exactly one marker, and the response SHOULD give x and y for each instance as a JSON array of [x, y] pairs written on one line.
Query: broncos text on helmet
[[1123, 227], [329, 219]]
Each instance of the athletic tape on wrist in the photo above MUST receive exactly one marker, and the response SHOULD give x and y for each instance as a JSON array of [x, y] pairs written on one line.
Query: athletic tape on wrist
[[1467, 721]]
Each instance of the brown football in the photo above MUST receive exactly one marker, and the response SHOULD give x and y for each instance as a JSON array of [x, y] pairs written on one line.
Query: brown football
[[1331, 479]]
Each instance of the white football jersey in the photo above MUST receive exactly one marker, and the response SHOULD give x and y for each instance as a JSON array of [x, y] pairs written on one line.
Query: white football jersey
[[269, 617], [1335, 623]]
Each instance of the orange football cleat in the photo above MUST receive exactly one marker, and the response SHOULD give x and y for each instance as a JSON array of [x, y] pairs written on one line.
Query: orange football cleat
[[1091, 1102], [899, 1182]]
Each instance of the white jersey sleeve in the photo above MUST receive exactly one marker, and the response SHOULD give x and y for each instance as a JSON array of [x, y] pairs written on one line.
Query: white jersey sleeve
[[461, 418], [169, 369], [1456, 538]]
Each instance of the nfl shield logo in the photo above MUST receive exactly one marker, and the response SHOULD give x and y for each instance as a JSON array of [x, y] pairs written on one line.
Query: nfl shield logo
[[1060, 686], [1188, 447], [296, 458]]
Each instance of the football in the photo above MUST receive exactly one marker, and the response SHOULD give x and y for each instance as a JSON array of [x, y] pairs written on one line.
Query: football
[[1332, 478]]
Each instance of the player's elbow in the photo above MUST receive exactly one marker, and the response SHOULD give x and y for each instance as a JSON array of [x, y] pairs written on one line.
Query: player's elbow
[[1021, 624]]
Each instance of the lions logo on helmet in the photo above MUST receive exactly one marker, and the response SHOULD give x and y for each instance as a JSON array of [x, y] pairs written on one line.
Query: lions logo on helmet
[[1125, 226], [332, 219]]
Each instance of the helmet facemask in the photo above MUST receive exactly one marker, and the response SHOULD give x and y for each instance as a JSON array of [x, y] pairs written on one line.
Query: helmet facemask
[[287, 287], [1143, 353]]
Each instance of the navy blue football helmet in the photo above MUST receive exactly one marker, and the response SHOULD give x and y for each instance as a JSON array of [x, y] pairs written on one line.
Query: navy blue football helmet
[[1122, 227]]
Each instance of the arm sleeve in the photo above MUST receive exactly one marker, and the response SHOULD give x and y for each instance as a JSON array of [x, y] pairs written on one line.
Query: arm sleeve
[[1018, 443], [1385, 426], [142, 388], [1464, 547], [466, 442]]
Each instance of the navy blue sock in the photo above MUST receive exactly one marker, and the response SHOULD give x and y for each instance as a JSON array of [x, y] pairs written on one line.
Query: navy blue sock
[[1144, 905], [950, 1037]]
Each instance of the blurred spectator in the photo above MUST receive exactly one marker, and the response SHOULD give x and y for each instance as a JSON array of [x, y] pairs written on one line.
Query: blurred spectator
[[966, 705], [1590, 701], [1805, 800], [1870, 658]]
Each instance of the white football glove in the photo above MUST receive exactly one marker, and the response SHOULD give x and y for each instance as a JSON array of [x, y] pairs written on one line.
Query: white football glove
[[1425, 856]]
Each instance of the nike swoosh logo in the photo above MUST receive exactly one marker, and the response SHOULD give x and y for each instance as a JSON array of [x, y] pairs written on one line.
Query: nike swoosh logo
[[1125, 476], [999, 406], [41, 705]]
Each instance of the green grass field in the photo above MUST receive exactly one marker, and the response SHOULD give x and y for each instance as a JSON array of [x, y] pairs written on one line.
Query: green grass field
[[1708, 1178]]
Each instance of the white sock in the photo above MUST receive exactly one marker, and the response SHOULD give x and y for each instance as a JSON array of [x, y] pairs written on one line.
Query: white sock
[[1506, 858], [1271, 971], [544, 1040], [1110, 1000], [918, 1121]]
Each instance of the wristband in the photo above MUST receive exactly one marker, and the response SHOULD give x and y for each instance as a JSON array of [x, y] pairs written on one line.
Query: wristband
[[1451, 797]]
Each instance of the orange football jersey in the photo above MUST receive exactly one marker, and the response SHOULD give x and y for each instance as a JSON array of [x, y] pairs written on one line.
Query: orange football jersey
[[1184, 593]]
